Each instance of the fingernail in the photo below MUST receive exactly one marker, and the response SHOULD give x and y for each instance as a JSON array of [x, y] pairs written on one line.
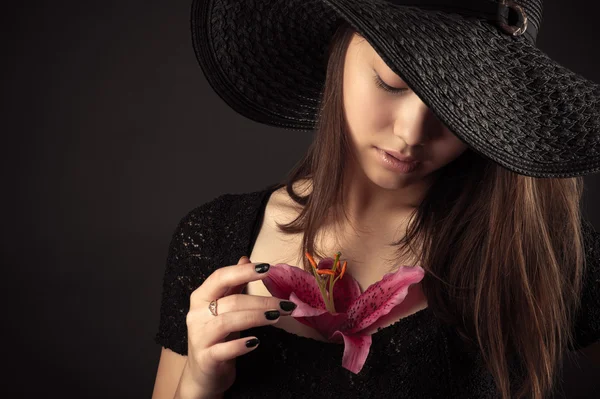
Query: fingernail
[[287, 305], [272, 314], [262, 267]]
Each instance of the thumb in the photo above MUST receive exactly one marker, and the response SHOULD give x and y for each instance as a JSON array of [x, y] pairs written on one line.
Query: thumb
[[244, 259]]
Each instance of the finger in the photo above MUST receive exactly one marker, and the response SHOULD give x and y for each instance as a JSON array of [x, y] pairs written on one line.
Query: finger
[[219, 327], [238, 302], [223, 279], [238, 289], [225, 351]]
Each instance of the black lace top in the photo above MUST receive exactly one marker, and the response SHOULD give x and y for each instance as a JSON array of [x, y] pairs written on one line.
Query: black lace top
[[416, 357]]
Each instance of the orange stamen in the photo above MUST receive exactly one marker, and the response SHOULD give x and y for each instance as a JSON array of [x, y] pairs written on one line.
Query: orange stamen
[[311, 260], [343, 269], [326, 271]]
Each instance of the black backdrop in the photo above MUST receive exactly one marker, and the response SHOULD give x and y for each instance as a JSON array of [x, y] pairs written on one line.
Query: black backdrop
[[110, 135]]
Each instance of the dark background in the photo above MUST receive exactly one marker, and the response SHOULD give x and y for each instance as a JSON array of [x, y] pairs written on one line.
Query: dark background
[[111, 134]]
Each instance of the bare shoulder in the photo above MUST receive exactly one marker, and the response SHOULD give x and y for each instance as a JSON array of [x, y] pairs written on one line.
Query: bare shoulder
[[281, 207], [301, 187]]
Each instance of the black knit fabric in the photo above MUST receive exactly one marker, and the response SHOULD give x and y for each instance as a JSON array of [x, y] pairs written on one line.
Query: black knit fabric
[[416, 357]]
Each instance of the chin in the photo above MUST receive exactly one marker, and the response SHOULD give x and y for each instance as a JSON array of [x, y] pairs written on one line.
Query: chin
[[393, 181]]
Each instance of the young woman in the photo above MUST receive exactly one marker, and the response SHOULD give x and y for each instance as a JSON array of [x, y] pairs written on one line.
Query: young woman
[[444, 141]]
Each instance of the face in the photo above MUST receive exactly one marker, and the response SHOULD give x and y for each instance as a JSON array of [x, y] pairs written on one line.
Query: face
[[399, 121]]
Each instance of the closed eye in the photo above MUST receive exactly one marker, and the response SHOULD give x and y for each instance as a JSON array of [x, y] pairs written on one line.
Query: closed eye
[[380, 83]]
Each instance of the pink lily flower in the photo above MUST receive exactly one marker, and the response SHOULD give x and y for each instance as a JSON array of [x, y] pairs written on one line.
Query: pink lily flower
[[335, 307]]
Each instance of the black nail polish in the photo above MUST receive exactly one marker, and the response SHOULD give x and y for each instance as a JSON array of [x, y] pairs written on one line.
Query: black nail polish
[[251, 343], [262, 267], [272, 314], [287, 305]]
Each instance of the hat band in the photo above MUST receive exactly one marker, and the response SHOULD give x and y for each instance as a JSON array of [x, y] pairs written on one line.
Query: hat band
[[506, 14]]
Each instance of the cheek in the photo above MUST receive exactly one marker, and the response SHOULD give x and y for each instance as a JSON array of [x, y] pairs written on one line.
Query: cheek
[[448, 150], [364, 110]]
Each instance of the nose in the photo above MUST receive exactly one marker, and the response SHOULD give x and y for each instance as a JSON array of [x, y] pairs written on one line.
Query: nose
[[415, 122]]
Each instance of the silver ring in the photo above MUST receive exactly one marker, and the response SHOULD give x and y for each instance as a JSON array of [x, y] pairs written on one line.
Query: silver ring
[[212, 306]]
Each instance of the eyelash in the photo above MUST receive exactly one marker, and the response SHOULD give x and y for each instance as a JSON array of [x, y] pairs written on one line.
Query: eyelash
[[387, 88]]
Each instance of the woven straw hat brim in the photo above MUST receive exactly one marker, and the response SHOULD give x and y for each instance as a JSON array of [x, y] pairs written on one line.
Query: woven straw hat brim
[[500, 94]]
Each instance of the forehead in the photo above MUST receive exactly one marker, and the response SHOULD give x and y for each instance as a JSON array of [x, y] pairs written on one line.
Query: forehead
[[363, 52]]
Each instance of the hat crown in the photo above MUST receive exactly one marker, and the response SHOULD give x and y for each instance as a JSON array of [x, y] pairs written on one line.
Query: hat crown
[[484, 8], [533, 9]]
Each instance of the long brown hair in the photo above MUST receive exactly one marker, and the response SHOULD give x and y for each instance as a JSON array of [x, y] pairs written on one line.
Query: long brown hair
[[503, 252]]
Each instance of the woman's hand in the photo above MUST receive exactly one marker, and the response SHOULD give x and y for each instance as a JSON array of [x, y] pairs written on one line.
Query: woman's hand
[[213, 341]]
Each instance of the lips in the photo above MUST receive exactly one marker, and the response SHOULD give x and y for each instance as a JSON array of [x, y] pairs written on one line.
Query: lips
[[400, 157]]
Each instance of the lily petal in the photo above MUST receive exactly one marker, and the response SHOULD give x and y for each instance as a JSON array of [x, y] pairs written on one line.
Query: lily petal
[[356, 350], [325, 263], [320, 319], [303, 309], [381, 297], [284, 279], [345, 291]]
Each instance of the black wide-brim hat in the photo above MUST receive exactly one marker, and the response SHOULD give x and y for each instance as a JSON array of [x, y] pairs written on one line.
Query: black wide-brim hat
[[474, 63]]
